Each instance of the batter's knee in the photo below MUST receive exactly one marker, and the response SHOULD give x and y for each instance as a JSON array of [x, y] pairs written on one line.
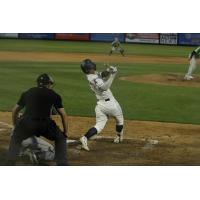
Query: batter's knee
[[100, 126], [119, 120], [119, 128]]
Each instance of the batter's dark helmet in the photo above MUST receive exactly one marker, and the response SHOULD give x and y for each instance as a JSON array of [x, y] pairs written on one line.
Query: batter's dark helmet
[[44, 79], [87, 65]]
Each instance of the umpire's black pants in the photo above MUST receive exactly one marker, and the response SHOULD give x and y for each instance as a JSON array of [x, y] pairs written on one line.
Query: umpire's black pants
[[27, 127]]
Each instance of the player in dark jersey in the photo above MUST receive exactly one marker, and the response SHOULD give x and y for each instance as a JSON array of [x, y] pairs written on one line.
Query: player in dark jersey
[[36, 120]]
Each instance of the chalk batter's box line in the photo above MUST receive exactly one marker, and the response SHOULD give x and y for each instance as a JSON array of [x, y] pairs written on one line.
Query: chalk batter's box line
[[10, 127], [6, 124], [150, 141]]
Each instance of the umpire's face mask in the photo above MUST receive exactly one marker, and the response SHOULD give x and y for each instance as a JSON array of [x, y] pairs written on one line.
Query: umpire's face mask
[[51, 86], [51, 83]]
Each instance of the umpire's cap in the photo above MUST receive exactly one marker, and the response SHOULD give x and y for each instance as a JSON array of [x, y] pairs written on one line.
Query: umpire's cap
[[44, 79], [87, 65]]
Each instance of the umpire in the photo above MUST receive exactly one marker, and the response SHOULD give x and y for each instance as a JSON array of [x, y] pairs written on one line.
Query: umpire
[[36, 120]]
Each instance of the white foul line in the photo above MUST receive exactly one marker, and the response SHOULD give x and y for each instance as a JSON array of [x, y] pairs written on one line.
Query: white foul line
[[150, 143], [10, 126], [5, 124]]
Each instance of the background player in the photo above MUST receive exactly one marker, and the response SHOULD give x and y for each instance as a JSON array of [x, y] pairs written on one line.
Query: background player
[[36, 120], [107, 105], [193, 62], [116, 46]]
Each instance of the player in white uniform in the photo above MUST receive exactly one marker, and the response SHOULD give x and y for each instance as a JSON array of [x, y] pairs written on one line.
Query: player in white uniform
[[37, 149], [116, 46], [193, 62], [107, 106]]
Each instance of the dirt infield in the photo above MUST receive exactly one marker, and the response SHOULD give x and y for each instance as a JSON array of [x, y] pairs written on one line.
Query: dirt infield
[[164, 79], [78, 57], [178, 144]]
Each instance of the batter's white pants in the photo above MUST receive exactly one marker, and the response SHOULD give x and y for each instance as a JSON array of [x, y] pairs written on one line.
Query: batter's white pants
[[104, 110], [192, 66]]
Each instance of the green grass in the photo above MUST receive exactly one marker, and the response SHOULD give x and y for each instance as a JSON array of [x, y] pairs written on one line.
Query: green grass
[[90, 47], [139, 101]]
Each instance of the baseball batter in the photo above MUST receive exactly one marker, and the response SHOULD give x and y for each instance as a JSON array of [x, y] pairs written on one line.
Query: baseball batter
[[193, 62], [107, 106], [116, 46]]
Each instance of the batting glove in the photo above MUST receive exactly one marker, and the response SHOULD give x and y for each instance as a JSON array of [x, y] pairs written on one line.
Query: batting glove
[[112, 69]]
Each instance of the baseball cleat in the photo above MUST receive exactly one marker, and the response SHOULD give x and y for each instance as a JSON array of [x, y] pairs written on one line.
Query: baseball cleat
[[118, 139], [83, 141], [191, 77], [188, 77]]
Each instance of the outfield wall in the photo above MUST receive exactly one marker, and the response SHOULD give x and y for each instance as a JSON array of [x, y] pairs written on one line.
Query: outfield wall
[[150, 38], [47, 36], [190, 39], [168, 38], [72, 36], [107, 37], [8, 35]]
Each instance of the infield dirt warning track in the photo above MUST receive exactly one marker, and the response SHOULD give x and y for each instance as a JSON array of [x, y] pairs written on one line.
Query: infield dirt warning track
[[78, 57]]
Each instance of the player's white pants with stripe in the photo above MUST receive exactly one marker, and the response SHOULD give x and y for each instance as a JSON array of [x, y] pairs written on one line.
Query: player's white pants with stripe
[[192, 67], [104, 110]]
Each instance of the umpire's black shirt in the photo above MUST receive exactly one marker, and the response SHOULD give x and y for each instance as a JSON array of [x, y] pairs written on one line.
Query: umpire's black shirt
[[38, 102]]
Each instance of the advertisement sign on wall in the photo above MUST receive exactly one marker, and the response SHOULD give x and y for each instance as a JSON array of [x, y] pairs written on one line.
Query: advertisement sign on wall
[[152, 38], [189, 38], [8, 35], [169, 38], [49, 36], [107, 37], [72, 36]]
